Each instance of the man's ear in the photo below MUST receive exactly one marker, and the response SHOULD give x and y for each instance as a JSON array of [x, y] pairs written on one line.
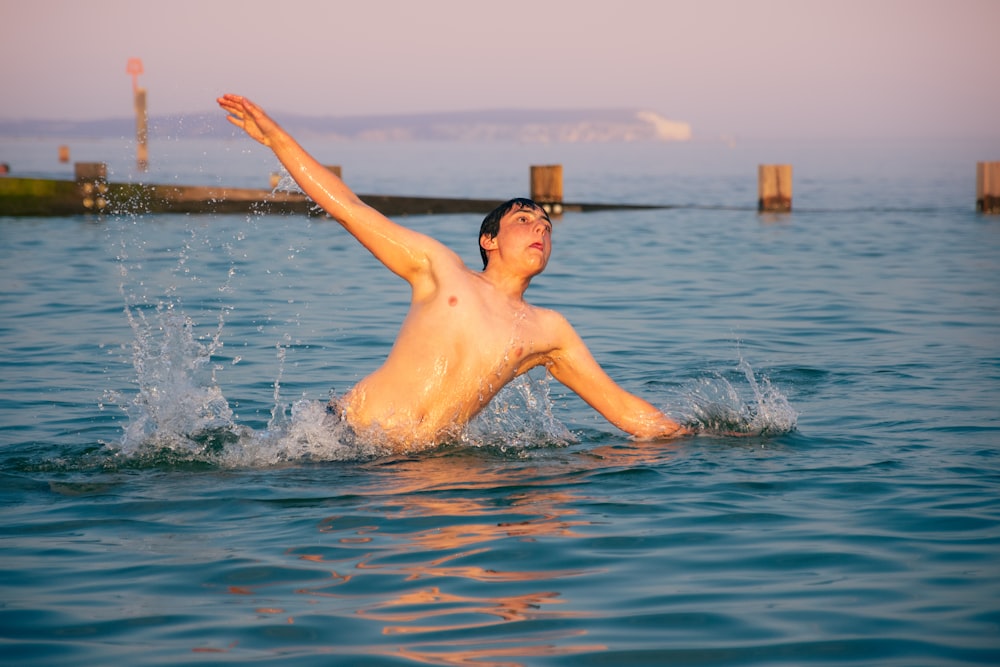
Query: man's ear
[[487, 242]]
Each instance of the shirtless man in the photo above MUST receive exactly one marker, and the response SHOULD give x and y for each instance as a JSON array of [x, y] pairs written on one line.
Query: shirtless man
[[467, 333]]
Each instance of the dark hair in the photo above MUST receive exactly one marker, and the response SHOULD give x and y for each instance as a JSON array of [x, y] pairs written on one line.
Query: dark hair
[[491, 223]]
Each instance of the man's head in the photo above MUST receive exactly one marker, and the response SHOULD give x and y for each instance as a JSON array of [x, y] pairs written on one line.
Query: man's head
[[491, 223]]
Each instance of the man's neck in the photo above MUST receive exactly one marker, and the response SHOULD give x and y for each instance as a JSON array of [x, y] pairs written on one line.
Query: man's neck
[[511, 285]]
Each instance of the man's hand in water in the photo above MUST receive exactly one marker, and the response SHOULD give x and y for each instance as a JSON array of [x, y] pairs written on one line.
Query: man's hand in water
[[249, 117]]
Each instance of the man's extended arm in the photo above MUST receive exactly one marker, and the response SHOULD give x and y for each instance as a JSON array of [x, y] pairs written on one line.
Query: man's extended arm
[[405, 252], [574, 366]]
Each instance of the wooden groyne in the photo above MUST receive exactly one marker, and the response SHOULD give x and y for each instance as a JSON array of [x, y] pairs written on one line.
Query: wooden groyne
[[53, 198], [91, 194]]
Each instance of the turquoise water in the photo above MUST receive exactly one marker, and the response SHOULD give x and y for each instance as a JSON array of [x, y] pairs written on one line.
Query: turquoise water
[[171, 493]]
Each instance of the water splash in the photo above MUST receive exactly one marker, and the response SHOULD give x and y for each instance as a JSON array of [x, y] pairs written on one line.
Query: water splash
[[518, 419], [741, 404], [171, 399], [180, 414]]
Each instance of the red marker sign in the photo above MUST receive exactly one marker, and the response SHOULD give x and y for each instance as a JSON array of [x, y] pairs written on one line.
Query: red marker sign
[[134, 67]]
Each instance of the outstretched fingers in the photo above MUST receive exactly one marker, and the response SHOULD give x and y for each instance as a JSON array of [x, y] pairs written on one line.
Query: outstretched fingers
[[235, 105], [230, 102], [245, 115]]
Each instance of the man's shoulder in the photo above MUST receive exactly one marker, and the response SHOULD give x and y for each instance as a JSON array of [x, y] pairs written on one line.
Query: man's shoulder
[[549, 318]]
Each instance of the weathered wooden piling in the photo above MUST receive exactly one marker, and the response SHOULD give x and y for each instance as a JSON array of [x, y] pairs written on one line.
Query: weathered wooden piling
[[774, 188], [988, 187], [547, 187], [134, 68], [141, 131]]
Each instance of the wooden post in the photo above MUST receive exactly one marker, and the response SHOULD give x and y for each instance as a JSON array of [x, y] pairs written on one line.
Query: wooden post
[[988, 187], [547, 187], [134, 69], [141, 132], [64, 153], [774, 188]]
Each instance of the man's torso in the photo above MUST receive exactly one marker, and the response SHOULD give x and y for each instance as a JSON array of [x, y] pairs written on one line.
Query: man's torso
[[454, 352]]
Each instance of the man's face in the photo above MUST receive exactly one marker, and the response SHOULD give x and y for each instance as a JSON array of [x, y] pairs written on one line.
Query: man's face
[[525, 237]]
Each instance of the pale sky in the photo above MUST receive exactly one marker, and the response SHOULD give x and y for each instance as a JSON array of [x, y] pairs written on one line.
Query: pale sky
[[765, 68]]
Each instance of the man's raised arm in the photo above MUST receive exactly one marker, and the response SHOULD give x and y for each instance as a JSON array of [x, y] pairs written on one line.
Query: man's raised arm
[[404, 251]]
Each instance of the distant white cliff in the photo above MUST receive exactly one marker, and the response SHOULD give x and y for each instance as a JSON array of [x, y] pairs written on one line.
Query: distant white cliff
[[666, 130], [522, 127]]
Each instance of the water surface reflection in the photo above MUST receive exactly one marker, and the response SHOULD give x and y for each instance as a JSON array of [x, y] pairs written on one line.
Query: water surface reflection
[[446, 547]]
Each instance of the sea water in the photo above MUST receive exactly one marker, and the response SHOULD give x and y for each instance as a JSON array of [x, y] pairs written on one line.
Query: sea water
[[174, 491]]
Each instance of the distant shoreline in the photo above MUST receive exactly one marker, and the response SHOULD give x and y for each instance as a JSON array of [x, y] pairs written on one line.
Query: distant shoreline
[[527, 126]]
